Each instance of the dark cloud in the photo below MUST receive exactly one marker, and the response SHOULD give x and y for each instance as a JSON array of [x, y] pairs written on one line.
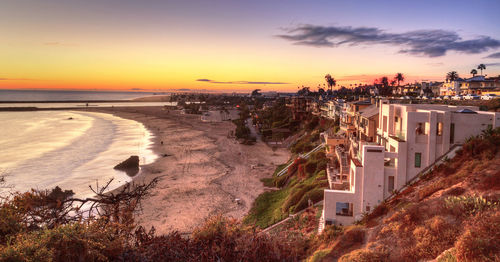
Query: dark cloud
[[492, 64], [430, 43], [494, 55], [241, 82]]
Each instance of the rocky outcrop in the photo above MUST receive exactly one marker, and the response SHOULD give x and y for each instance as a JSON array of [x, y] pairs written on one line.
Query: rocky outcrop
[[129, 166]]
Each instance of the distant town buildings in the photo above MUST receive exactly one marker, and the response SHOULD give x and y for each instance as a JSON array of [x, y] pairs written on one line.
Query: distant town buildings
[[475, 85]]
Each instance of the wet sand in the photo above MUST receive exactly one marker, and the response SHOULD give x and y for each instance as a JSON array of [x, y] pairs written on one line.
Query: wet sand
[[204, 172]]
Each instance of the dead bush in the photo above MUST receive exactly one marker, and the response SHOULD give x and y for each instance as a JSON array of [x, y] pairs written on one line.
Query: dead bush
[[352, 237], [378, 254], [481, 240], [432, 238]]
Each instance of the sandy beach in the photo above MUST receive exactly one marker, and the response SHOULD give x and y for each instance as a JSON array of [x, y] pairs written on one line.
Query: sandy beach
[[203, 171]]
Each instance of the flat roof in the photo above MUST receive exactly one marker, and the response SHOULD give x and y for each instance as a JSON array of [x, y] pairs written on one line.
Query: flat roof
[[369, 111]]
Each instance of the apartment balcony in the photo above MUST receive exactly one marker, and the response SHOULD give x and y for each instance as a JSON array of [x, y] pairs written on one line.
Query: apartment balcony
[[336, 180], [343, 161], [390, 171], [421, 139], [390, 163], [347, 127], [400, 134]]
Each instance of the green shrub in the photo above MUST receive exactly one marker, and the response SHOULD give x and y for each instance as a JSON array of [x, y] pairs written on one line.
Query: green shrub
[[310, 167], [266, 208], [71, 242], [314, 195], [10, 222], [269, 182], [281, 181], [318, 255], [295, 196], [468, 205]]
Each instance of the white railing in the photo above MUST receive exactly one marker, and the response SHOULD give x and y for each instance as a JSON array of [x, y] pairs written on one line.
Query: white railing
[[304, 156]]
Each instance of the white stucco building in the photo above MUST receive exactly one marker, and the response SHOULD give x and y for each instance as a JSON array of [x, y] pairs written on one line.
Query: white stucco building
[[409, 138]]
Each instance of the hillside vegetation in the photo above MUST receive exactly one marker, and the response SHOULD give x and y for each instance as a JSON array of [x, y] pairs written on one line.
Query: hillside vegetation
[[450, 214], [305, 180]]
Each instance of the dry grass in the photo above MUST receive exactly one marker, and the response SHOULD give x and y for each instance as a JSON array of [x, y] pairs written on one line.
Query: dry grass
[[371, 254], [351, 239], [481, 240]]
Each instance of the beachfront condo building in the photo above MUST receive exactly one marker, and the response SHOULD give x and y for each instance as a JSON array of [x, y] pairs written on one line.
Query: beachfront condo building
[[409, 139]]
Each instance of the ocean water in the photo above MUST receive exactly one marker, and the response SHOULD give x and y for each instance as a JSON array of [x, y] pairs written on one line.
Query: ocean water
[[67, 95], [73, 99], [70, 149], [85, 105]]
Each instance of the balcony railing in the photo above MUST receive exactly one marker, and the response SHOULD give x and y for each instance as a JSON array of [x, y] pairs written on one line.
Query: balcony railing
[[390, 162], [401, 135]]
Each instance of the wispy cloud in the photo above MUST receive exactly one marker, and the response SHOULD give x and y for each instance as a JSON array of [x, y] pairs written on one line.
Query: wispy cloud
[[492, 64], [240, 82], [429, 43], [494, 55]]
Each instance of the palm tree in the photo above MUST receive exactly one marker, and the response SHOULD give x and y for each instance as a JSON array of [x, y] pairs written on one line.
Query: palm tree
[[452, 76], [330, 81], [399, 77], [473, 72], [384, 81], [481, 67]]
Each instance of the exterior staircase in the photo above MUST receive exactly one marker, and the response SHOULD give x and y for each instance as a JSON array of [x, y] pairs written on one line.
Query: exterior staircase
[[321, 226]]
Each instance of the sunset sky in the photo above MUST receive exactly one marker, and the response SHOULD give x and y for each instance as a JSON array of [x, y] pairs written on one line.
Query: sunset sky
[[240, 45]]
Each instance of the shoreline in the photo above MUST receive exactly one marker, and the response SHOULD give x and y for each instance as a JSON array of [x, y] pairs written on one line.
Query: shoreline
[[204, 172]]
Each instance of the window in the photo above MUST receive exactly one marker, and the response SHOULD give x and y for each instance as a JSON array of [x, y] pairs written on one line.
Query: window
[[390, 187], [384, 126], [344, 209], [452, 133], [439, 129], [420, 130], [418, 159]]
